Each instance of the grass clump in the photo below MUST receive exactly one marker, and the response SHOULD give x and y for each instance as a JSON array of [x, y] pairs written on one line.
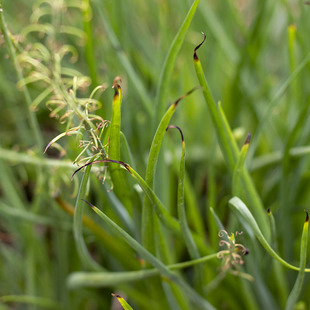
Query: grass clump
[[101, 205]]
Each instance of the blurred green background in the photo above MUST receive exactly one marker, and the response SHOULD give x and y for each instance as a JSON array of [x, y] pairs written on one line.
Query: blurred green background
[[256, 60]]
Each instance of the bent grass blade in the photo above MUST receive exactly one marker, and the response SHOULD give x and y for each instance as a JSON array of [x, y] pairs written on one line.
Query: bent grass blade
[[247, 219], [163, 269]]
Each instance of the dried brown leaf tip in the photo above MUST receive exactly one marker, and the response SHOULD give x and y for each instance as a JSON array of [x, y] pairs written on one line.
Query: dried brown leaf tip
[[116, 295], [268, 211], [116, 85], [307, 216], [198, 46], [103, 161], [178, 128], [91, 205], [248, 139], [185, 95]]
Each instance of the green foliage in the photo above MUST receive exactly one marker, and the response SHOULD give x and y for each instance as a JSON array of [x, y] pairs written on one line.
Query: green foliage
[[99, 204]]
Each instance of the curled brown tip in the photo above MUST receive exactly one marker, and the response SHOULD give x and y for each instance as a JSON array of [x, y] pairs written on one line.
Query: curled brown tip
[[196, 48], [307, 217], [185, 95], [116, 89], [116, 295], [47, 147], [117, 80], [178, 128], [103, 161], [248, 139], [91, 205], [246, 251]]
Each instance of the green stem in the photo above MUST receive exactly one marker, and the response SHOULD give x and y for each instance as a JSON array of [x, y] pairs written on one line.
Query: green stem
[[166, 73], [78, 226], [192, 294], [30, 115]]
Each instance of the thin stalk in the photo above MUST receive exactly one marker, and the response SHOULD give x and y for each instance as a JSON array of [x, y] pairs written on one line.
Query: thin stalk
[[294, 295], [249, 222], [228, 144], [112, 245], [43, 303], [164, 216], [167, 69], [128, 66], [147, 226], [30, 115], [78, 226], [280, 280], [189, 241], [105, 278], [236, 181], [277, 95], [186, 233], [89, 44], [192, 294], [121, 188]]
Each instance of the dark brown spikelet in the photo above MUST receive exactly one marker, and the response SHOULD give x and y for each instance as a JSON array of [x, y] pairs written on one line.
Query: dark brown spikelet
[[178, 128], [248, 139], [198, 46], [103, 161]]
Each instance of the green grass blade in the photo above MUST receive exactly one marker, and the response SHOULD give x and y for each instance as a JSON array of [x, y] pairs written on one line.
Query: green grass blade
[[112, 245], [104, 279], [135, 79], [166, 73], [121, 188], [147, 226], [187, 236], [43, 303], [23, 215], [169, 221], [280, 282], [236, 181], [89, 44], [30, 115], [230, 153], [78, 226], [123, 302], [216, 27], [192, 294], [126, 150], [248, 221], [294, 295], [228, 144], [186, 233], [278, 94]]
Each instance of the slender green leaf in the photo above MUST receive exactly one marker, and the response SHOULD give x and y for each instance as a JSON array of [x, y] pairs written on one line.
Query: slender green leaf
[[294, 295], [166, 73], [121, 188], [103, 279], [236, 181], [43, 303], [147, 226], [188, 238], [30, 115], [84, 254], [192, 294], [128, 66], [248, 221], [228, 144]]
